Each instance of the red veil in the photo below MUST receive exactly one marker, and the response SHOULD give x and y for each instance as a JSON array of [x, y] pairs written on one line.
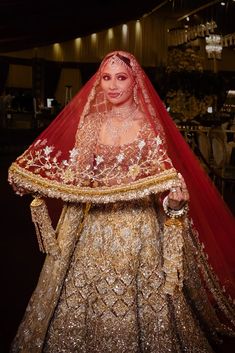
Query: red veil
[[50, 167]]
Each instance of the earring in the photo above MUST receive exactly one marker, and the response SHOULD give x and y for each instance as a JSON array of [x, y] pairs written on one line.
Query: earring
[[135, 97]]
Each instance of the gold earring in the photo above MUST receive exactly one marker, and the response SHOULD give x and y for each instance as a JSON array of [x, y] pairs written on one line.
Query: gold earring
[[135, 97]]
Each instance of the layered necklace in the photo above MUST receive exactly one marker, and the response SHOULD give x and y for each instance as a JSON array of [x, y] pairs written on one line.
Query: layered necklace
[[120, 120]]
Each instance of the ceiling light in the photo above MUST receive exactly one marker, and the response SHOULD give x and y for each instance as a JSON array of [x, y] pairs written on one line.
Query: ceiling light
[[187, 18], [222, 3]]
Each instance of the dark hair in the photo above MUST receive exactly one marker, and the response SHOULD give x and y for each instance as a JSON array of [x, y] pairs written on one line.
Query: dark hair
[[125, 59]]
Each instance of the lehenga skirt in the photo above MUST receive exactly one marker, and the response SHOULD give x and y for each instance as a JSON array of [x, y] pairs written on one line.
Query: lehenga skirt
[[111, 296]]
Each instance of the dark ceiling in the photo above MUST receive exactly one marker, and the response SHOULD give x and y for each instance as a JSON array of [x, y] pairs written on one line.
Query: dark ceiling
[[27, 23]]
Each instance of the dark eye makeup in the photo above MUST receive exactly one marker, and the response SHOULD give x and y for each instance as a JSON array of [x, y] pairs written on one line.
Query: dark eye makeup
[[106, 77], [120, 77]]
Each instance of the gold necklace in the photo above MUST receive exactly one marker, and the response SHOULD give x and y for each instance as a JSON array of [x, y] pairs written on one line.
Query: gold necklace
[[123, 112], [125, 115]]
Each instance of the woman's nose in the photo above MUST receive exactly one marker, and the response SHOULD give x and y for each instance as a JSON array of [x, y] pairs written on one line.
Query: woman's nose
[[113, 84]]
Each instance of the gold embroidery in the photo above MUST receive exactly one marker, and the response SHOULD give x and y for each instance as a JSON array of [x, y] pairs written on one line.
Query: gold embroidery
[[136, 189], [96, 175]]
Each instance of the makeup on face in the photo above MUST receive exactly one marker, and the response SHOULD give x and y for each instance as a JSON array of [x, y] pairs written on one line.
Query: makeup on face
[[117, 83]]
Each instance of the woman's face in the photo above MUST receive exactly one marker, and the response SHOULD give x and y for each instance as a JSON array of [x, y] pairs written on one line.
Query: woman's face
[[117, 83]]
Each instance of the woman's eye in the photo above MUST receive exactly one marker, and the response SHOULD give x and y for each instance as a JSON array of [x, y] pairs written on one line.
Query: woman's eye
[[122, 78], [106, 77]]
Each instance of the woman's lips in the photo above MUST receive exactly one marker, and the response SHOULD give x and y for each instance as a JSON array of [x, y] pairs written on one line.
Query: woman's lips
[[114, 95]]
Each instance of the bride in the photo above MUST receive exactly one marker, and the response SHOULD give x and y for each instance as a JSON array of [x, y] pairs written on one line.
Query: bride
[[125, 269]]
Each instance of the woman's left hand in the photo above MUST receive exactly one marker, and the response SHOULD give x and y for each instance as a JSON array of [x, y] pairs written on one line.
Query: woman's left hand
[[178, 195]]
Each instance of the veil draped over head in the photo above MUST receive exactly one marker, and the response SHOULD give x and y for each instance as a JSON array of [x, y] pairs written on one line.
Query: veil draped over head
[[66, 161]]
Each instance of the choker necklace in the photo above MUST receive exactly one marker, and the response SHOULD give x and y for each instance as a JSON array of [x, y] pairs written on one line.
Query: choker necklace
[[123, 112]]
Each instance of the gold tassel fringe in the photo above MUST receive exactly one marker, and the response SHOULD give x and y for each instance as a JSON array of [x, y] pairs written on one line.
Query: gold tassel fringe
[[173, 254], [46, 234]]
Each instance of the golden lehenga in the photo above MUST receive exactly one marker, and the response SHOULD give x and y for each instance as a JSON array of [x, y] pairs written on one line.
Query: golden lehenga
[[106, 291]]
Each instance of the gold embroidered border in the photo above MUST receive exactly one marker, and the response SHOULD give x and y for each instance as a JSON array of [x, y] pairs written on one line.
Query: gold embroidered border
[[136, 189]]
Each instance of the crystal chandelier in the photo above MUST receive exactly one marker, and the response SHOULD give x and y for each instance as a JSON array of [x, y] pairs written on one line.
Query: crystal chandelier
[[214, 46]]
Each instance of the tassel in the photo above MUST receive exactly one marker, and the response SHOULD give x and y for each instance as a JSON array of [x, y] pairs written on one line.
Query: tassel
[[173, 254], [46, 234]]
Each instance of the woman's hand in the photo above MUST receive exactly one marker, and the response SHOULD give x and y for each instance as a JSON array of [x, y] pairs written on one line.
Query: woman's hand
[[178, 195], [19, 190]]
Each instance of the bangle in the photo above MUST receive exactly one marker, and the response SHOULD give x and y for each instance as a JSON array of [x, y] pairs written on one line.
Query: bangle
[[174, 213]]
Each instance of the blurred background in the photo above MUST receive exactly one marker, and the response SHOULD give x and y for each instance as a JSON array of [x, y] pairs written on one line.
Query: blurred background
[[49, 49]]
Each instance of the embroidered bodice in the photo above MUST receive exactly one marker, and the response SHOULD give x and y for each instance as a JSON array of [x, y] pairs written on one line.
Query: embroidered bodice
[[128, 162]]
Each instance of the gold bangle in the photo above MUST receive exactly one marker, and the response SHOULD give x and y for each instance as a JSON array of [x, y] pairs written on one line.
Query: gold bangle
[[174, 213]]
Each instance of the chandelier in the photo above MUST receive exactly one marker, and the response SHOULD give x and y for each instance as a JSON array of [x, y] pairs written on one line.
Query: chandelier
[[214, 46]]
